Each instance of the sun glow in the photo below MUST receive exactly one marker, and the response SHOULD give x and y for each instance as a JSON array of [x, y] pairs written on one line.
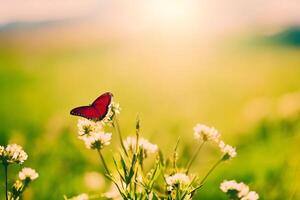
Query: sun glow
[[170, 13]]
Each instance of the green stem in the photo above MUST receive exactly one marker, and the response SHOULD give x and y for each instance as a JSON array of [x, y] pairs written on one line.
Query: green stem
[[109, 175], [211, 170], [6, 187], [103, 162], [175, 155], [194, 157], [117, 129], [137, 133]]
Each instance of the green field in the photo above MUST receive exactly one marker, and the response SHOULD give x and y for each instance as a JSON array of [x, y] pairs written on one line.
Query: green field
[[172, 87]]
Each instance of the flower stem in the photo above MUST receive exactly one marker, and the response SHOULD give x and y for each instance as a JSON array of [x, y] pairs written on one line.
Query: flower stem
[[194, 157], [103, 162], [117, 129], [137, 133], [108, 173], [6, 187], [175, 155], [210, 171]]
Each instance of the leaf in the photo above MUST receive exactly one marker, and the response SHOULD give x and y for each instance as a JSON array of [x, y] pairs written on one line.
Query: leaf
[[161, 158], [123, 163], [117, 168], [195, 190], [131, 171]]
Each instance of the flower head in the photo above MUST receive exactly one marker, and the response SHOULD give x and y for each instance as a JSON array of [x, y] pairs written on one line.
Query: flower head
[[96, 140], [85, 127], [144, 144], [177, 179], [113, 109], [240, 189], [205, 133], [28, 174], [251, 196], [228, 150], [13, 153]]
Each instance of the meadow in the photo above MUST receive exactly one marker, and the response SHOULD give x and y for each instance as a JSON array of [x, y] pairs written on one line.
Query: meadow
[[237, 87]]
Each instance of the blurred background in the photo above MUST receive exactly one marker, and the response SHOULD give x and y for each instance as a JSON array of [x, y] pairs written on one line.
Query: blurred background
[[234, 65]]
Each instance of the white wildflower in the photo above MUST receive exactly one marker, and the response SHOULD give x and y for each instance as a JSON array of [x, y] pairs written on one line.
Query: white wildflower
[[13, 153], [178, 178], [130, 145], [116, 108], [251, 196], [241, 189], [113, 109], [96, 140], [205, 133], [28, 174], [228, 185], [81, 197], [228, 150], [86, 126]]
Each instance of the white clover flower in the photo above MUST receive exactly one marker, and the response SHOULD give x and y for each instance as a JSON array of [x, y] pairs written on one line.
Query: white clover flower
[[241, 189], [130, 145], [13, 153], [178, 178], [251, 196], [81, 197], [28, 173], [86, 126], [116, 108], [96, 140], [205, 133], [228, 185], [113, 109], [227, 150]]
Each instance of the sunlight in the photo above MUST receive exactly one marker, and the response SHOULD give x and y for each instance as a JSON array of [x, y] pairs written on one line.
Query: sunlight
[[174, 14]]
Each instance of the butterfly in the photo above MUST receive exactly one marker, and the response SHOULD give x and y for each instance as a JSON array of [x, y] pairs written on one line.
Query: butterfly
[[97, 110]]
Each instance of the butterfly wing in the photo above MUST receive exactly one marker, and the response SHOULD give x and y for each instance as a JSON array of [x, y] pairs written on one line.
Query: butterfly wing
[[88, 112], [102, 103]]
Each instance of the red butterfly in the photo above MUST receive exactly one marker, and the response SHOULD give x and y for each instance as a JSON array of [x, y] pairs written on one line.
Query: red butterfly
[[97, 110]]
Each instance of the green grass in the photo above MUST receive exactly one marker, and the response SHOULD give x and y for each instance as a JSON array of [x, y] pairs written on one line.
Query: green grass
[[170, 91]]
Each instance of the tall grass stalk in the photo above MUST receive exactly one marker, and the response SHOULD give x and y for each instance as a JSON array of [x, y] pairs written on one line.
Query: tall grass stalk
[[103, 162], [117, 129], [211, 170], [194, 156]]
